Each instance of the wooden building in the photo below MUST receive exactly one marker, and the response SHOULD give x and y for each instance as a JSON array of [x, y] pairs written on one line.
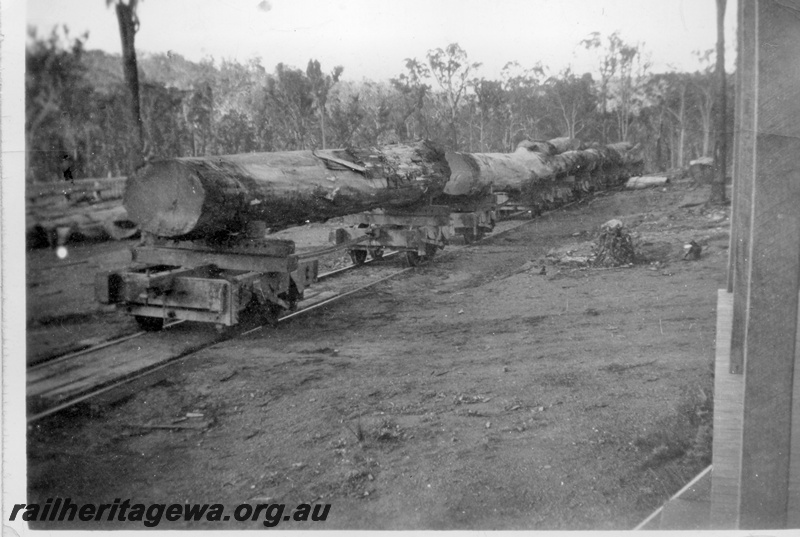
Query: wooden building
[[756, 463], [754, 479]]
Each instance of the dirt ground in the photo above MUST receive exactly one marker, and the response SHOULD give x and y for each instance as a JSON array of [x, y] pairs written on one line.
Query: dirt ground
[[494, 388]]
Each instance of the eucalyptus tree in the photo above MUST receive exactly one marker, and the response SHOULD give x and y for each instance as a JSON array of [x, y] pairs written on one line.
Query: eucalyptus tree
[[128, 26], [321, 85], [58, 99], [413, 92], [451, 69], [571, 101]]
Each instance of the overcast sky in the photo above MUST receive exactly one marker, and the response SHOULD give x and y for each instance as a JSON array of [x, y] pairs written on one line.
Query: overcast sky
[[371, 38]]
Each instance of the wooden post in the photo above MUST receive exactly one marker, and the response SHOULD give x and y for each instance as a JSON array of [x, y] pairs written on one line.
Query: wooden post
[[743, 176], [794, 457], [766, 275], [737, 129]]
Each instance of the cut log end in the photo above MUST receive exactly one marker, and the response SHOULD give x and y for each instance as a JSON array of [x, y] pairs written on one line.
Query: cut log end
[[165, 199], [464, 174]]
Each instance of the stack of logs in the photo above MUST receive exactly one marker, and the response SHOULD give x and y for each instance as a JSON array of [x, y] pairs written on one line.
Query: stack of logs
[[216, 197], [58, 212]]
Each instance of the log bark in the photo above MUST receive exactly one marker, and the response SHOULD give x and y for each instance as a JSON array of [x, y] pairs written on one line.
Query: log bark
[[529, 169], [213, 197]]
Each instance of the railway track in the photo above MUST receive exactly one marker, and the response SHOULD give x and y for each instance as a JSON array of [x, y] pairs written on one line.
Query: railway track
[[124, 365], [62, 382]]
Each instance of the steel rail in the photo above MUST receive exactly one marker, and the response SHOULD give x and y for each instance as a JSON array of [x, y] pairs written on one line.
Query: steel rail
[[194, 352], [146, 371]]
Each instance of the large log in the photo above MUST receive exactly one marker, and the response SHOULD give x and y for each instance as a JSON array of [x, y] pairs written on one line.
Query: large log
[[647, 181], [530, 169], [107, 220], [191, 198]]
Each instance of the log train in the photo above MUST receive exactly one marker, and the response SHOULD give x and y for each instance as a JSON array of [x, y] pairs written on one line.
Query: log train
[[207, 255]]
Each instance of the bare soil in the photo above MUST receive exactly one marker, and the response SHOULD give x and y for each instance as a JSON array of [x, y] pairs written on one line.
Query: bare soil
[[491, 389]]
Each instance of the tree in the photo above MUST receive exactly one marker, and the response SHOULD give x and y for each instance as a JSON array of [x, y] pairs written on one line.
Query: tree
[[572, 100], [704, 84], [57, 100], [128, 26], [451, 69], [525, 108], [628, 97], [347, 117], [674, 101], [720, 143], [413, 92], [320, 87], [290, 102], [491, 104], [200, 118], [622, 77], [162, 111], [234, 134]]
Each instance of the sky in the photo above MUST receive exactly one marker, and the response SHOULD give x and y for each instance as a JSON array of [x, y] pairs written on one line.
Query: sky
[[372, 38]]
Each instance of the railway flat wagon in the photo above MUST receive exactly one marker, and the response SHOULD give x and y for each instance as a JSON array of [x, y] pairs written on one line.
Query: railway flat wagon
[[419, 232], [208, 282]]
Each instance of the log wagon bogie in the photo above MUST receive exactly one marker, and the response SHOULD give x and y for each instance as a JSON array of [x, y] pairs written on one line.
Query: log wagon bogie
[[418, 233], [208, 282]]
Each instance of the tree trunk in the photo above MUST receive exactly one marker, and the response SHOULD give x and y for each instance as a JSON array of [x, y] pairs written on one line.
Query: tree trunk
[[682, 132], [215, 196], [126, 16], [531, 169], [322, 124], [721, 141]]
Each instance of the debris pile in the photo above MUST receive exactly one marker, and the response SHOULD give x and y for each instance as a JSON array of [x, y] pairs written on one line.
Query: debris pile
[[571, 255], [614, 246], [692, 251]]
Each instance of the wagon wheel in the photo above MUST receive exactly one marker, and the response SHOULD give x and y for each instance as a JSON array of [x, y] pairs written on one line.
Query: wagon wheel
[[270, 313], [222, 329], [358, 256], [149, 324], [413, 258], [376, 253], [430, 250], [469, 236]]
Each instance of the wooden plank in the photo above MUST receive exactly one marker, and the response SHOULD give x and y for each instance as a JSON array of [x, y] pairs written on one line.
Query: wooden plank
[[679, 514], [228, 317], [195, 293], [383, 219], [744, 148], [793, 516], [727, 442], [180, 257], [63, 381], [772, 271], [267, 247], [324, 155], [111, 187]]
